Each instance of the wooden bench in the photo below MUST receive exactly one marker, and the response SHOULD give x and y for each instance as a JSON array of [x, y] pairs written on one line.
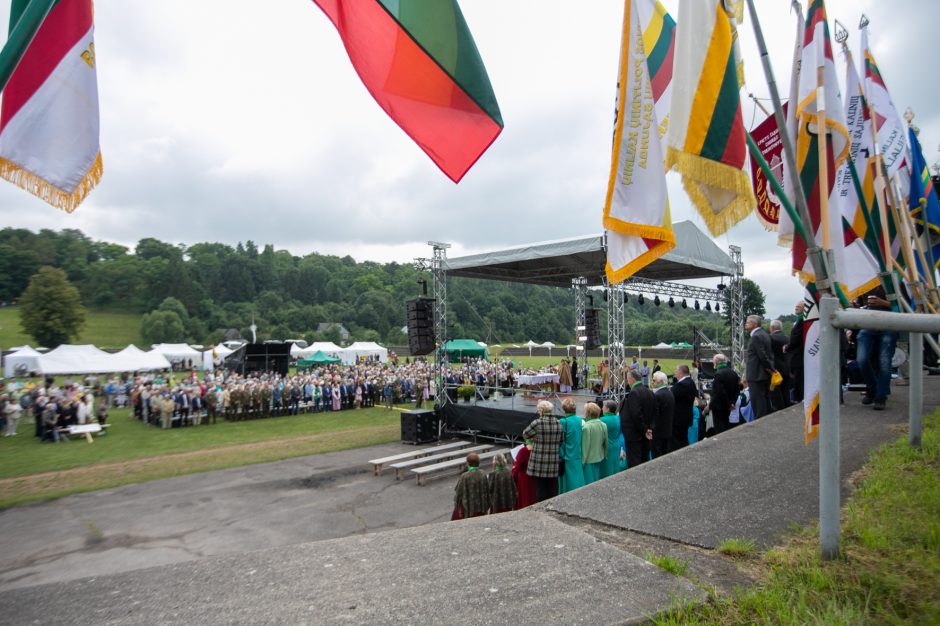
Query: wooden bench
[[85, 429], [444, 468], [377, 464], [434, 458]]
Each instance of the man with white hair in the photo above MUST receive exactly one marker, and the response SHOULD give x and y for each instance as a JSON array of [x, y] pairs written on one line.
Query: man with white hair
[[759, 367], [725, 390], [665, 410]]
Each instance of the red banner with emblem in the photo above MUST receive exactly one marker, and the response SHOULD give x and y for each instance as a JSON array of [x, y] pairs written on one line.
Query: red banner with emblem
[[767, 137]]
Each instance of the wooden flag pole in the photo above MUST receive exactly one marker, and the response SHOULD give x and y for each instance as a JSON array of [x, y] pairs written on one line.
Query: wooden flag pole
[[21, 36]]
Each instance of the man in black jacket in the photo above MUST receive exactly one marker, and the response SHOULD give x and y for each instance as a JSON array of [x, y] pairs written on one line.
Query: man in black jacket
[[665, 410], [685, 393], [637, 416], [794, 350], [725, 389], [778, 342]]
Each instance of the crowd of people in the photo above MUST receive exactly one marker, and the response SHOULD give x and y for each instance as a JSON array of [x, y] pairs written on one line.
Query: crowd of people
[[53, 408]]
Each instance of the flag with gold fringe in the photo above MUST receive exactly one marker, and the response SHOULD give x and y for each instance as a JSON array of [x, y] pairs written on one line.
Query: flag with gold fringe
[[892, 134], [49, 117], [811, 363], [706, 139], [636, 209], [855, 268]]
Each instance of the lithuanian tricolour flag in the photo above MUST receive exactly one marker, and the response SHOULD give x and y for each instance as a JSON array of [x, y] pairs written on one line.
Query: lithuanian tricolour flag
[[419, 62], [706, 137], [49, 117]]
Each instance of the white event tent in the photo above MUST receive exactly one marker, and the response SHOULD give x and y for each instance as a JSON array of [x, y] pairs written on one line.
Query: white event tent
[[21, 362], [326, 347], [133, 359], [178, 352], [367, 349]]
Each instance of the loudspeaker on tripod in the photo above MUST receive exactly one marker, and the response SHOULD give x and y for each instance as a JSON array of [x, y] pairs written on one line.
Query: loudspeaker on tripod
[[420, 326]]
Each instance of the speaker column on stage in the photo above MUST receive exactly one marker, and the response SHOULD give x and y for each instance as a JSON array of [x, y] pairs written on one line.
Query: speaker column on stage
[[419, 426], [420, 326], [591, 330]]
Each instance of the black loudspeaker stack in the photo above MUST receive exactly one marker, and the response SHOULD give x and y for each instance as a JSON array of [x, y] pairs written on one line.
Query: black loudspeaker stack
[[591, 330], [420, 326], [419, 426]]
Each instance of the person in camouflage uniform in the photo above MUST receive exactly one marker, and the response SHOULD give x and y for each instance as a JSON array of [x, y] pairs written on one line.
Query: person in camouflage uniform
[[472, 493]]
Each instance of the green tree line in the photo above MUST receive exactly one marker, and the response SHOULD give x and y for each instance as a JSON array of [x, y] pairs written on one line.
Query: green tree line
[[195, 293]]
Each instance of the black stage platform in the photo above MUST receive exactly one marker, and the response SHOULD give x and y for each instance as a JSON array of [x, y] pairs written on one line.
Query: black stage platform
[[504, 418]]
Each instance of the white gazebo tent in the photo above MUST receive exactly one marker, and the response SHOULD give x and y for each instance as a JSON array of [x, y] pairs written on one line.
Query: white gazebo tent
[[21, 362], [76, 359], [133, 359], [178, 353], [549, 345], [368, 349], [326, 347], [531, 344]]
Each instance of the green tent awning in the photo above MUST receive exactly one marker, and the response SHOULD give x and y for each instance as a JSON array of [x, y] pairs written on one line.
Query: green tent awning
[[317, 358], [465, 347]]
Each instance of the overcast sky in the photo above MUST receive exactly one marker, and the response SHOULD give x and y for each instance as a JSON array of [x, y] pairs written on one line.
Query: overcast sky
[[223, 122]]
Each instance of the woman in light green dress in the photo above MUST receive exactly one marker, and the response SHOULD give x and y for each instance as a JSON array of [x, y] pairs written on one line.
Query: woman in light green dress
[[593, 443]]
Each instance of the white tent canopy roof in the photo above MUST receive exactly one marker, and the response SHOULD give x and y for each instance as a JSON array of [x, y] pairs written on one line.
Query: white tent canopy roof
[[23, 358], [532, 344], [177, 351], [368, 349], [555, 263], [133, 359]]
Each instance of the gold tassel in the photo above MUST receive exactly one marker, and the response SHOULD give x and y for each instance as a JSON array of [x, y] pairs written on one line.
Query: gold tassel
[[48, 192], [697, 170]]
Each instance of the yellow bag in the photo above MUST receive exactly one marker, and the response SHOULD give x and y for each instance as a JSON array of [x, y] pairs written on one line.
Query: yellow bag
[[775, 380]]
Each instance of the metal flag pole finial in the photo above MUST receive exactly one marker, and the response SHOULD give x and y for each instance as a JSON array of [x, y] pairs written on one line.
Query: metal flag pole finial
[[863, 22], [842, 33]]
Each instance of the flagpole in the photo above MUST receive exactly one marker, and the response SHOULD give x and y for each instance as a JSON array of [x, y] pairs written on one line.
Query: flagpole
[[21, 36], [820, 268]]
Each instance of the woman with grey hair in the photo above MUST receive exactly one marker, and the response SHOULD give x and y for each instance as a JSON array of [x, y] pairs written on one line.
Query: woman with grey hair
[[593, 443], [502, 486]]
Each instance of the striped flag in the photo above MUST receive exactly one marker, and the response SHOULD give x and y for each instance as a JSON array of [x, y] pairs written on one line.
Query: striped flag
[[811, 365], [924, 205], [862, 157], [636, 210], [706, 138], [892, 134], [659, 43], [49, 117], [420, 63], [855, 267]]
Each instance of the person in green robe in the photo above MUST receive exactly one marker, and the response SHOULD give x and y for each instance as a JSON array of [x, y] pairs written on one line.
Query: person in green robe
[[593, 443], [570, 450], [472, 493], [611, 419], [502, 486]]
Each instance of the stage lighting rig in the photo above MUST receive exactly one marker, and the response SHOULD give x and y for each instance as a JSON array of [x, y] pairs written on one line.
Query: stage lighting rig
[[640, 299], [656, 299], [708, 307], [685, 304], [697, 307], [672, 302]]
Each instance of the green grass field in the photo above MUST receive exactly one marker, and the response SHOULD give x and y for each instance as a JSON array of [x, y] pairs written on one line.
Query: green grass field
[[105, 329], [889, 570]]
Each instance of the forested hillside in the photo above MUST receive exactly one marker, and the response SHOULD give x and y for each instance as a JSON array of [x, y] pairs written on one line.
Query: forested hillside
[[194, 293]]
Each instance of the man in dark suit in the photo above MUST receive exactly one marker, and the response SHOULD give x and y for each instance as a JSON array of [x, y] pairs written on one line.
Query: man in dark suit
[[794, 350], [760, 364], [725, 389], [780, 397], [684, 393], [665, 410], [637, 416]]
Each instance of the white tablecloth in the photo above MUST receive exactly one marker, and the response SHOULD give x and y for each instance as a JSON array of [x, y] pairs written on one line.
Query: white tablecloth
[[538, 379]]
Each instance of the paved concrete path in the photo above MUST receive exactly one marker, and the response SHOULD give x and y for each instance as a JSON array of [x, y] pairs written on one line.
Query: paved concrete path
[[578, 559]]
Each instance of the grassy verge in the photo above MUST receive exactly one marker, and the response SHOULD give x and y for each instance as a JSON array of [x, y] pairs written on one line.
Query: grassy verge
[[133, 452], [105, 329], [890, 570]]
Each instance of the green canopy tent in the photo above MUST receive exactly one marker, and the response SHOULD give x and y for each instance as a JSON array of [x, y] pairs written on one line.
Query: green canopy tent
[[460, 348], [317, 358]]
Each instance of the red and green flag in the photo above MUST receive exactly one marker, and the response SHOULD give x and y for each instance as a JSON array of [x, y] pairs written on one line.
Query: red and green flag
[[420, 63], [49, 116]]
